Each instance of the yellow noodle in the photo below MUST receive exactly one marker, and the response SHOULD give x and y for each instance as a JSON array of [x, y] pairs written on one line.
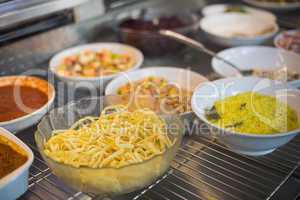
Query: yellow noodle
[[117, 138]]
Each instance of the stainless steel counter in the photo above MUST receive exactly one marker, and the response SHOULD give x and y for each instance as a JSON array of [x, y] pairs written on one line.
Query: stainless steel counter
[[17, 11]]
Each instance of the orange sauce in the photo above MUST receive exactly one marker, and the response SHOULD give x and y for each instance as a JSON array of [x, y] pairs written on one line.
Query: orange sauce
[[11, 106], [11, 157]]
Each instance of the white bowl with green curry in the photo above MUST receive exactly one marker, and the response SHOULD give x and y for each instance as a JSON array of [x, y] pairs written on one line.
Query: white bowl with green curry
[[252, 116]]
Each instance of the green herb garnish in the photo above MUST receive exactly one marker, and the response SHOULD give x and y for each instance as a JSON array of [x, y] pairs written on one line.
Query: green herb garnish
[[237, 124], [212, 114], [243, 106], [239, 9]]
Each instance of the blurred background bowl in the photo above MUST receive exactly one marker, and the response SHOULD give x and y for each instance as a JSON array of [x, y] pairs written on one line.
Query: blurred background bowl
[[256, 57], [249, 144], [215, 9], [104, 181], [288, 40], [212, 23], [275, 6], [134, 29]]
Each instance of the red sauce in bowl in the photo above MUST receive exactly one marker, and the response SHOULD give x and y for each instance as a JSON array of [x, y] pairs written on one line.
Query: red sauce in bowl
[[11, 156], [164, 22], [17, 101]]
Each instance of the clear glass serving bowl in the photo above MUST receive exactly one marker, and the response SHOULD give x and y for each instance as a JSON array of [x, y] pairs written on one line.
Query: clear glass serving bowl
[[104, 181]]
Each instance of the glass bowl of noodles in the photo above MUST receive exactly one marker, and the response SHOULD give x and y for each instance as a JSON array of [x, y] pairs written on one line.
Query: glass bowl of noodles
[[102, 146]]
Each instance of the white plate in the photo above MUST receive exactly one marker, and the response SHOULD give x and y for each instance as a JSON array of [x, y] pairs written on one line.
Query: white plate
[[99, 82], [30, 119], [259, 57], [183, 78], [274, 6], [214, 27], [249, 144], [15, 183]]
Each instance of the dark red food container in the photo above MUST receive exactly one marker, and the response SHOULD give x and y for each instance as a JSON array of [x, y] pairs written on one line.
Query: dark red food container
[[151, 43]]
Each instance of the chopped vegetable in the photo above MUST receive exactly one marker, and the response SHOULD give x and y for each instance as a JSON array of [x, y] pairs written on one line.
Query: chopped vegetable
[[168, 96], [95, 63]]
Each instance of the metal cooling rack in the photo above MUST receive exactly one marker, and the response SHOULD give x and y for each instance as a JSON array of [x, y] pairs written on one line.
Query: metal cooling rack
[[203, 169]]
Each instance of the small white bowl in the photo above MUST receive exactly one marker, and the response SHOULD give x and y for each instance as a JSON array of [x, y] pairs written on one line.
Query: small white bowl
[[210, 21], [249, 144], [15, 183], [280, 36], [256, 57], [99, 82], [216, 9], [183, 78], [30, 119]]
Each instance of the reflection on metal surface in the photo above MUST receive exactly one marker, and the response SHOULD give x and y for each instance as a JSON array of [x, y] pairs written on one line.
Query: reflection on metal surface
[[111, 4], [36, 25], [17, 11]]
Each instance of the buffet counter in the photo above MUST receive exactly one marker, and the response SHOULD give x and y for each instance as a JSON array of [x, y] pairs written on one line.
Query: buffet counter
[[203, 169]]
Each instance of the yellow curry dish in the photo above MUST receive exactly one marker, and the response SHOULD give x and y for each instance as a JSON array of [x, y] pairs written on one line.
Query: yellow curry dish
[[253, 113], [95, 63], [167, 96]]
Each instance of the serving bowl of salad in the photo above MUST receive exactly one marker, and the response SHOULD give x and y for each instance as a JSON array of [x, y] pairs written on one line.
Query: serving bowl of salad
[[96, 63], [169, 88]]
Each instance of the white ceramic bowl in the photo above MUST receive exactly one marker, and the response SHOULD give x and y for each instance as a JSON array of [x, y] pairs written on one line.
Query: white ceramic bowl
[[15, 183], [99, 82], [258, 57], [183, 78], [274, 6], [216, 9], [280, 36], [230, 19], [30, 119], [249, 144]]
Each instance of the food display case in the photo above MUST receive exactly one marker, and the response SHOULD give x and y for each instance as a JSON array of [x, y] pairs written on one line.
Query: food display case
[[32, 32]]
